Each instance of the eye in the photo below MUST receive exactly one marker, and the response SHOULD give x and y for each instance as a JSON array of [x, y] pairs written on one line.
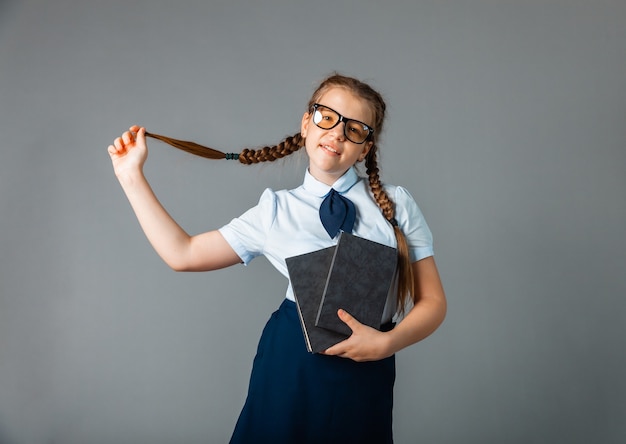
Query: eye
[[357, 129]]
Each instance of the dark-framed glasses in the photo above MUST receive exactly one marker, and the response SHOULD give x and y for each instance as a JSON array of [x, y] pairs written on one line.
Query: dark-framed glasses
[[327, 118]]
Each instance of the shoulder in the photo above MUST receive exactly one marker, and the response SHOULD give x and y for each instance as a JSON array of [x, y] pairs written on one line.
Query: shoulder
[[401, 197], [261, 214], [398, 193], [268, 195], [412, 221]]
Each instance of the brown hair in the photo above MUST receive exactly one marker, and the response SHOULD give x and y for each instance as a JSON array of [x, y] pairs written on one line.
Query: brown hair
[[293, 143]]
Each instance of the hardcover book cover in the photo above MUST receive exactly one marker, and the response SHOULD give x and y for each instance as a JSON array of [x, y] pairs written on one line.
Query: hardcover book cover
[[359, 280], [308, 274], [354, 275]]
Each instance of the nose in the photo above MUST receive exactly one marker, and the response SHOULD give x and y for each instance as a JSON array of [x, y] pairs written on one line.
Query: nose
[[339, 131]]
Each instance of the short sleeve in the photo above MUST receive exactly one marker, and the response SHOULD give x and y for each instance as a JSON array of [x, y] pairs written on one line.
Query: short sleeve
[[247, 234], [413, 225]]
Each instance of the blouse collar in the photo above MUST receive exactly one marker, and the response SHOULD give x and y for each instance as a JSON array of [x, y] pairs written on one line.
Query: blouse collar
[[341, 185]]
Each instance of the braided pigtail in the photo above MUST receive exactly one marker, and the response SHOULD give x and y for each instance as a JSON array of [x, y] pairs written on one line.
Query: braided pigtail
[[288, 146], [405, 271], [248, 156]]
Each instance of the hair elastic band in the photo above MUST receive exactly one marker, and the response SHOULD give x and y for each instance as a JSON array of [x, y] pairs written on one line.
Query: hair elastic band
[[393, 222], [232, 156]]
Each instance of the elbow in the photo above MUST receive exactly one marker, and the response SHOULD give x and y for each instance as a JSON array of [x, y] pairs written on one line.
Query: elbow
[[178, 259], [177, 265], [441, 311], [186, 266], [438, 309], [441, 304]]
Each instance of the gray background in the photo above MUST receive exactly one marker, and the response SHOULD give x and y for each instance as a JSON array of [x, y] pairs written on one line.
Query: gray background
[[506, 122]]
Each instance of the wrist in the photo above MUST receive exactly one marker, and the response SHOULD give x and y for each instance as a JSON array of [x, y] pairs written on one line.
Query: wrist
[[130, 177], [392, 342], [385, 345]]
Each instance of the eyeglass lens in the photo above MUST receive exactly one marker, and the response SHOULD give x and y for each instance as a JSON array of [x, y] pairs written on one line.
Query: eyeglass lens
[[327, 118]]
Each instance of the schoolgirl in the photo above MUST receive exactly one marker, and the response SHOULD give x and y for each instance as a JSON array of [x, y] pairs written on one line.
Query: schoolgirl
[[344, 395]]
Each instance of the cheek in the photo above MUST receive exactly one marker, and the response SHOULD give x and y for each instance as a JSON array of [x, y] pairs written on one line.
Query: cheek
[[310, 132], [308, 142]]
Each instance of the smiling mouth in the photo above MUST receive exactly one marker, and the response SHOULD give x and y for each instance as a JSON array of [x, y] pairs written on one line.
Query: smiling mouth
[[330, 149]]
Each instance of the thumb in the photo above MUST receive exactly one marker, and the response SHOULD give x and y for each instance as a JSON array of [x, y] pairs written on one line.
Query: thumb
[[139, 134], [348, 319]]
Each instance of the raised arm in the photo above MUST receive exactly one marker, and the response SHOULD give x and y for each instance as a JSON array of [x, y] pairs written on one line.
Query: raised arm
[[182, 252]]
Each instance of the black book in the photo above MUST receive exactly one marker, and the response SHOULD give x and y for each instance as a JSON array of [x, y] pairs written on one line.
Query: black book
[[308, 273], [354, 275], [359, 280]]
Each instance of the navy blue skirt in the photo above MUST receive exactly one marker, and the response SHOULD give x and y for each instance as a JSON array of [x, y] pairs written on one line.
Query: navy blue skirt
[[299, 397]]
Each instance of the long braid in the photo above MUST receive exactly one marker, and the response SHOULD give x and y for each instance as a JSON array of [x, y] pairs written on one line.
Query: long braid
[[288, 146], [405, 271], [248, 156], [382, 199]]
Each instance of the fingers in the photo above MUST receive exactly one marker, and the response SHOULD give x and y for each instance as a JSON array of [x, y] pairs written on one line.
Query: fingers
[[140, 134], [358, 348], [118, 146], [335, 350], [127, 140], [137, 131], [341, 349], [137, 134], [129, 151], [365, 343], [348, 348]]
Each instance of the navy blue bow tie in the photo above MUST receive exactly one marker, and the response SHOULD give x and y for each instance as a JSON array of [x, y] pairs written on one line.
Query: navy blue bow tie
[[337, 213]]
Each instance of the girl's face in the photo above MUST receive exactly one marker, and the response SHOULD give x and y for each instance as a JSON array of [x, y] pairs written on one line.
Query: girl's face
[[330, 153]]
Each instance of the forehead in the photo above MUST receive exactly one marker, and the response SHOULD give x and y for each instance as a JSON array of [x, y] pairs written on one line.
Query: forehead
[[348, 104]]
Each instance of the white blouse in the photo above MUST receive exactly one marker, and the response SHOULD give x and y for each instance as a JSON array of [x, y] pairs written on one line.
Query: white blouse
[[286, 223]]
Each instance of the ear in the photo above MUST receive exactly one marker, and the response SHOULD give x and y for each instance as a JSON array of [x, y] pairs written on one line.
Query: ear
[[367, 146], [304, 125]]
